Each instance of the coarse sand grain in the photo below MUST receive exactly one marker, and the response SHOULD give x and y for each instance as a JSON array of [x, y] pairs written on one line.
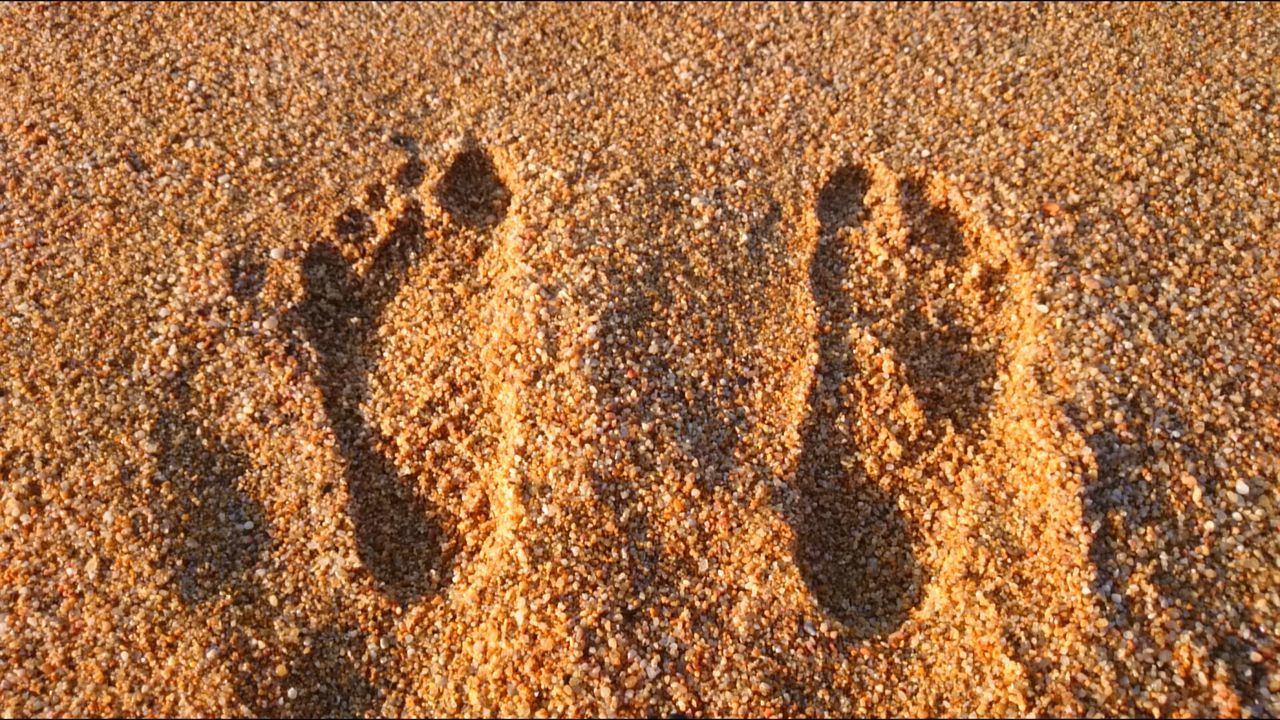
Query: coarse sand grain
[[554, 360]]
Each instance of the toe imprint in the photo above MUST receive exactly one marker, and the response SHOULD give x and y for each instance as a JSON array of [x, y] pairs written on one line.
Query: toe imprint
[[472, 192]]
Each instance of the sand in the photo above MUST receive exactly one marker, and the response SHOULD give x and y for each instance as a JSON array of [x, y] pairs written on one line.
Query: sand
[[639, 360]]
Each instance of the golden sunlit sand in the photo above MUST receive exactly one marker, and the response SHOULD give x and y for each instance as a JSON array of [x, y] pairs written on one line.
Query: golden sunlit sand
[[639, 360]]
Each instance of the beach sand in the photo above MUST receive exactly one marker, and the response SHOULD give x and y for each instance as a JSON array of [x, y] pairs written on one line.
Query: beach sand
[[639, 360]]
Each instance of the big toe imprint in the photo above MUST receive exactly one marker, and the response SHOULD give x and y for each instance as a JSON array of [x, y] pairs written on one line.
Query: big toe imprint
[[853, 544], [398, 536]]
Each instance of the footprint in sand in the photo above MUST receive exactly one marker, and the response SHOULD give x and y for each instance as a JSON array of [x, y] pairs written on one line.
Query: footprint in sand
[[398, 535], [855, 547]]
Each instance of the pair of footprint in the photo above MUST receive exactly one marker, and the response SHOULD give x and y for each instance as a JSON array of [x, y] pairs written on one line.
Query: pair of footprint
[[854, 545]]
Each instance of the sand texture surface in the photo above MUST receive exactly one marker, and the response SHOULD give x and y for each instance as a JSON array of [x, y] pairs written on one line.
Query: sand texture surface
[[639, 360]]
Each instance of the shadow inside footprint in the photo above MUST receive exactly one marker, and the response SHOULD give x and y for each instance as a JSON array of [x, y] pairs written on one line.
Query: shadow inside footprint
[[853, 545], [222, 531], [472, 192], [840, 201], [951, 378], [397, 535]]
